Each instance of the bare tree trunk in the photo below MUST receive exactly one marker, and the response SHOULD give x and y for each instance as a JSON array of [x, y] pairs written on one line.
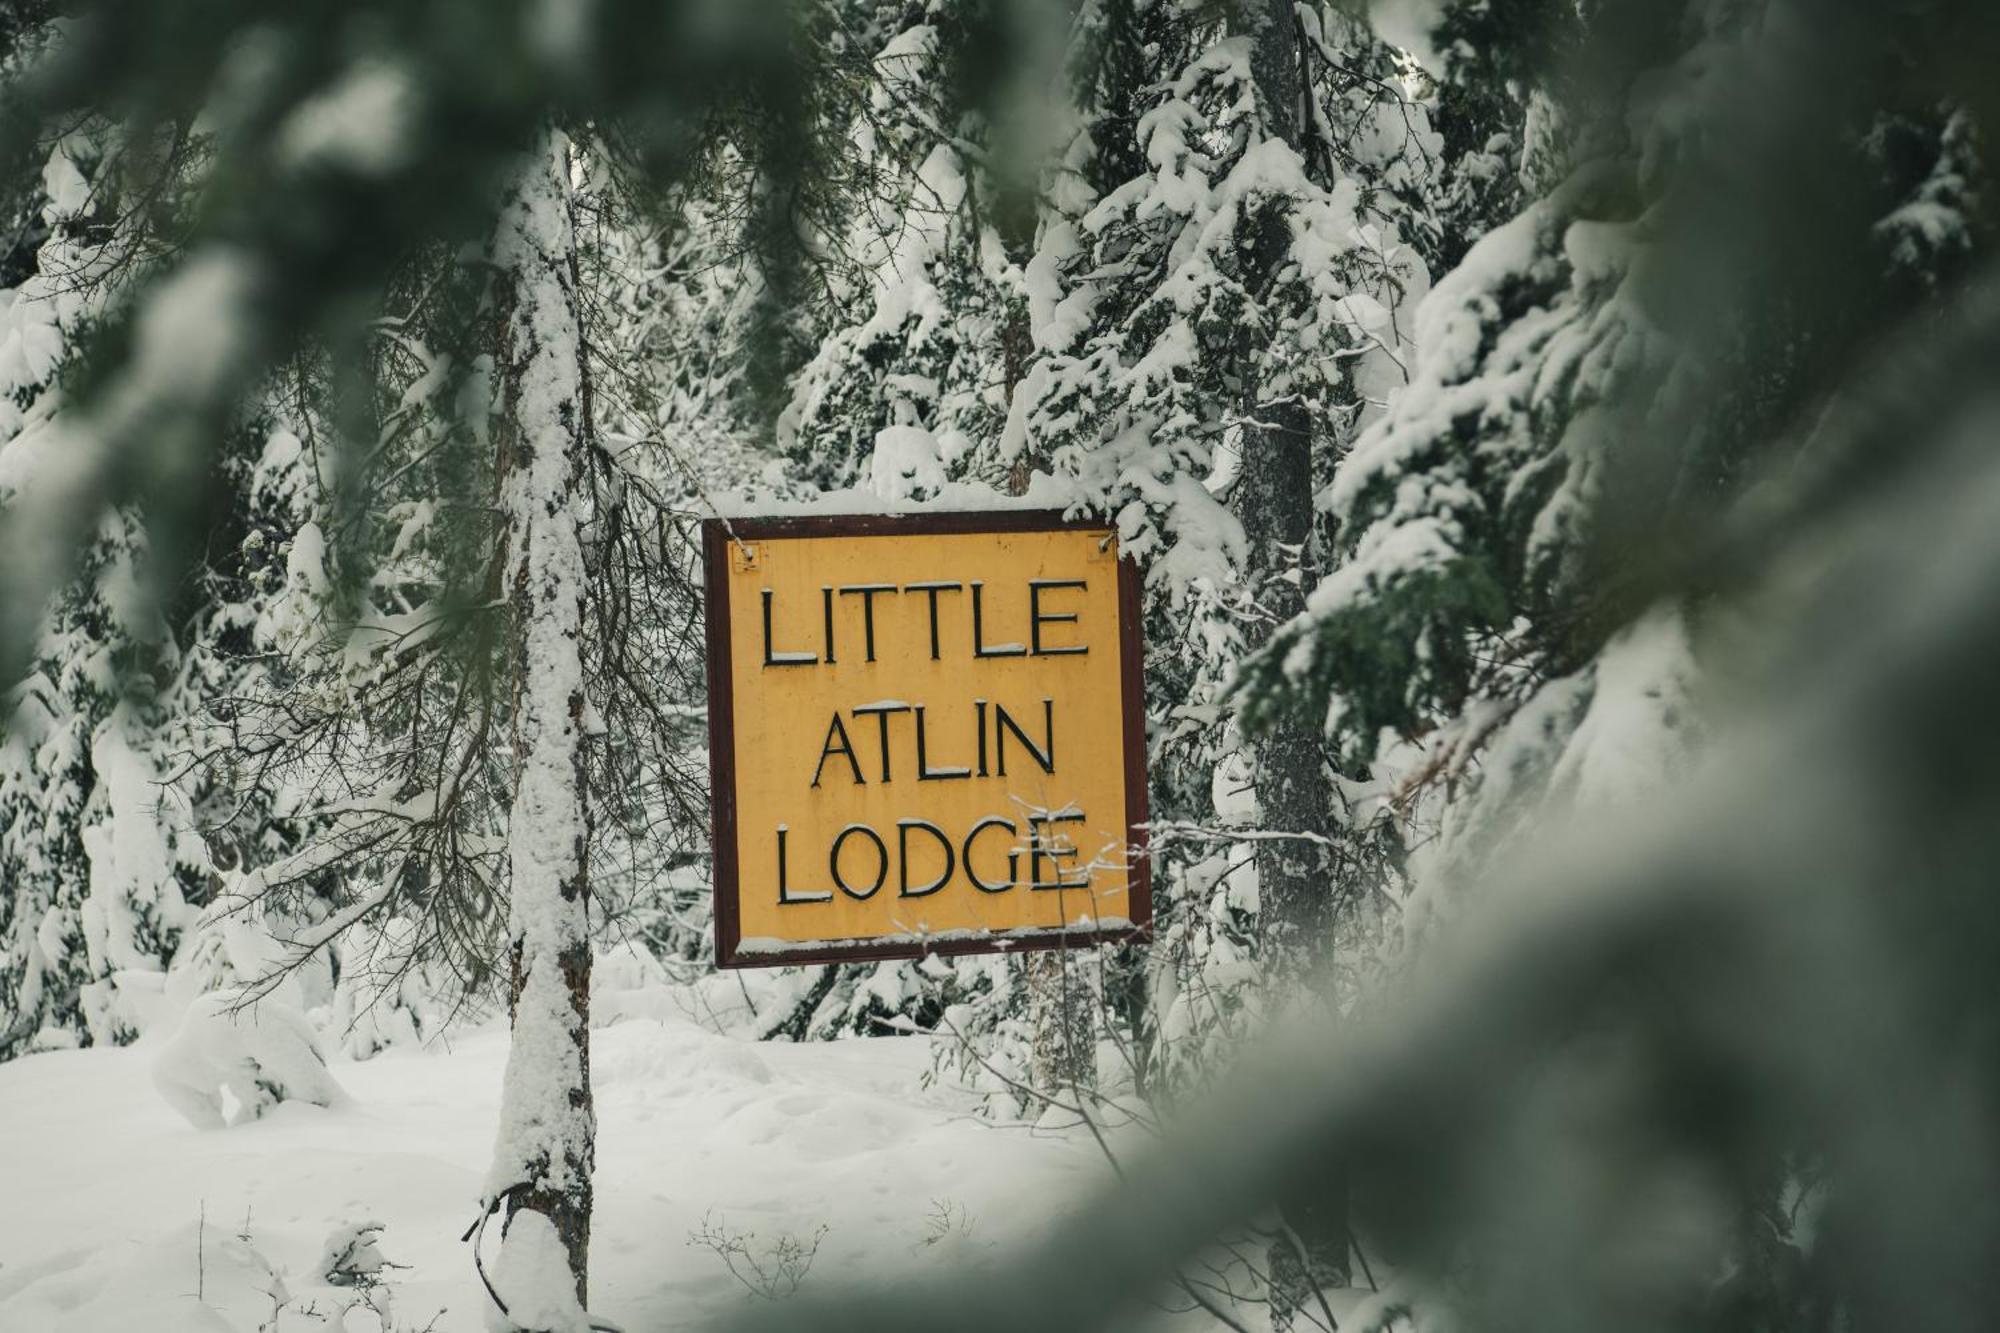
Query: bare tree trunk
[[1273, 498], [547, 1144]]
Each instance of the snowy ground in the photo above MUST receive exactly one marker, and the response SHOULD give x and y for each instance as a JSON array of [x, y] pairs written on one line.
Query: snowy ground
[[107, 1189]]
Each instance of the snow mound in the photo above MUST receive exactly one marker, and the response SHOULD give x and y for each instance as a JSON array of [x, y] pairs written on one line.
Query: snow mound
[[236, 1056]]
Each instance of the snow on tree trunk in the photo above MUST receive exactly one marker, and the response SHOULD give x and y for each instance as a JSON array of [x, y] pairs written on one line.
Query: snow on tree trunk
[[1273, 499], [543, 1159]]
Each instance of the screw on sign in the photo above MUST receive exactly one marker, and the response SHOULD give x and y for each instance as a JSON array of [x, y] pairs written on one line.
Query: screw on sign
[[926, 735]]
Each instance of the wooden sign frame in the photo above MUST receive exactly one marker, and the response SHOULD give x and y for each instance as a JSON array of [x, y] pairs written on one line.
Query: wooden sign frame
[[718, 535]]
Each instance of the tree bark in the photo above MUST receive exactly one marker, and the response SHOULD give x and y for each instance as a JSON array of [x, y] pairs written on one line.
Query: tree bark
[[547, 1142], [1273, 498]]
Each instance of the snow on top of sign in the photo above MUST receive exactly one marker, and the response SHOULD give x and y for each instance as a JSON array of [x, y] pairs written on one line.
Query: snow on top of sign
[[1083, 925], [957, 497]]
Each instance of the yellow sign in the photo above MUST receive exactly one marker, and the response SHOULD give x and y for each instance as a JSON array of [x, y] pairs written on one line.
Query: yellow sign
[[926, 735]]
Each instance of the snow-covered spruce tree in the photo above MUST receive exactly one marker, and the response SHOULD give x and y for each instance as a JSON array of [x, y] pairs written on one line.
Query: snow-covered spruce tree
[[1498, 524], [370, 711], [387, 701], [99, 874], [41, 947], [387, 713], [917, 321], [1215, 294], [250, 600], [1518, 342], [1497, 145], [1585, 399], [1099, 388], [377, 711], [1299, 897], [1214, 323], [99, 859], [910, 369], [669, 298], [547, 1142]]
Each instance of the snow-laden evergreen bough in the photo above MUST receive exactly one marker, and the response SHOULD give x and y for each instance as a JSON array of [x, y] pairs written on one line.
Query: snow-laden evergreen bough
[[98, 852], [1585, 392], [910, 369]]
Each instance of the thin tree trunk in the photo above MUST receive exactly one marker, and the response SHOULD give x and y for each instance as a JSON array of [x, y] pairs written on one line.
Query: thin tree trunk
[[547, 1143], [1063, 1056], [1063, 1052], [1273, 498]]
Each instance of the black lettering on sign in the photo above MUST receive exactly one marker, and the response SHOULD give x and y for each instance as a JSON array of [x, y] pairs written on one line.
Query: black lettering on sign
[[786, 897], [1040, 850], [931, 590], [1038, 617], [925, 773], [846, 747], [881, 860], [773, 657], [881, 712], [867, 591], [1013, 857], [979, 648], [903, 827], [1045, 754]]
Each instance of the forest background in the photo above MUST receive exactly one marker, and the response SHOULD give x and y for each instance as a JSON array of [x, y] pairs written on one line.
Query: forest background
[[1525, 414]]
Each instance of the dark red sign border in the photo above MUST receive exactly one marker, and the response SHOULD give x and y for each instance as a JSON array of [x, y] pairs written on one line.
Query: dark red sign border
[[716, 537]]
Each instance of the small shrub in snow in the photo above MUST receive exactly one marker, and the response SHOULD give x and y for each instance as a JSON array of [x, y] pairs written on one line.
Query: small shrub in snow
[[352, 1294], [352, 1256], [234, 1058], [772, 1269], [947, 1231]]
